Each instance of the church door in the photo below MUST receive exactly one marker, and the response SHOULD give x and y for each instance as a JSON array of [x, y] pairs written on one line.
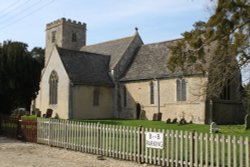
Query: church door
[[138, 110]]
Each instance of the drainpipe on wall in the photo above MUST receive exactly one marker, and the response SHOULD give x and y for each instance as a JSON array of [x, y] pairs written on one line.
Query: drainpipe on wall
[[70, 113], [158, 93], [114, 94], [210, 111]]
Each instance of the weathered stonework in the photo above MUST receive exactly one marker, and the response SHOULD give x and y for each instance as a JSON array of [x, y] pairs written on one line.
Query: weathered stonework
[[191, 110], [131, 64], [42, 101], [64, 30], [82, 102]]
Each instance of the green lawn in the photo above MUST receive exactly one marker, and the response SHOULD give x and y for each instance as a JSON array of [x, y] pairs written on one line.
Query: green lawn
[[237, 130]]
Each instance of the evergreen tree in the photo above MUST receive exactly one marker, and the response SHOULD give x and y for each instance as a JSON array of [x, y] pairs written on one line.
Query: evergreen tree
[[19, 76], [218, 48], [38, 54]]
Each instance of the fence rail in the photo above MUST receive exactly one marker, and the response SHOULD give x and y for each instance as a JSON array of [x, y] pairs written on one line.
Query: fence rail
[[9, 127], [184, 149]]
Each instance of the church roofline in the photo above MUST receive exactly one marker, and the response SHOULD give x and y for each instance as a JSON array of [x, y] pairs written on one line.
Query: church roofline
[[109, 41], [162, 42], [82, 51], [80, 65], [171, 76]]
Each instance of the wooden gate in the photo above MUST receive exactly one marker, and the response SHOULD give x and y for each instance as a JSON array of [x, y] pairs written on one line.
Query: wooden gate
[[21, 129]]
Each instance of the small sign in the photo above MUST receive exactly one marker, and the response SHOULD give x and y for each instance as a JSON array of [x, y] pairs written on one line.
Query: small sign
[[154, 140]]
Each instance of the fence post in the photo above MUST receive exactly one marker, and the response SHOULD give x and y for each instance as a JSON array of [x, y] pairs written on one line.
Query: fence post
[[139, 144], [66, 134], [247, 151], [98, 138], [49, 137], [193, 146], [19, 132]]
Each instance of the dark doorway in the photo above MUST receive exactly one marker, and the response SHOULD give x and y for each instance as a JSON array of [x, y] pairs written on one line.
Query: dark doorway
[[138, 110]]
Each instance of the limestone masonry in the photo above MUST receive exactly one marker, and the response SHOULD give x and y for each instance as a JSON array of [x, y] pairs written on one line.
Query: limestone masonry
[[124, 78]]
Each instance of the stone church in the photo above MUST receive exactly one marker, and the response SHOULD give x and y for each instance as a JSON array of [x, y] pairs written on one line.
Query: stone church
[[123, 78]]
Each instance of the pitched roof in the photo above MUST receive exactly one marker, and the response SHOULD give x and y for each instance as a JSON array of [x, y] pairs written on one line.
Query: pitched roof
[[86, 68], [150, 62], [115, 48]]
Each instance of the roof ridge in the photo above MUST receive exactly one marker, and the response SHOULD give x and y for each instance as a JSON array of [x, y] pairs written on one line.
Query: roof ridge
[[82, 51], [162, 42], [114, 40], [132, 39]]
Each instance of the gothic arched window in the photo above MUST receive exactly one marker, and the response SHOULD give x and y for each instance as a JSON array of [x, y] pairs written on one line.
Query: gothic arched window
[[225, 94], [181, 89], [53, 82]]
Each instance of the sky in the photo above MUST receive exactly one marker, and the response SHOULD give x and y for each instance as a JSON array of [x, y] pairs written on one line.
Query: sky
[[157, 20]]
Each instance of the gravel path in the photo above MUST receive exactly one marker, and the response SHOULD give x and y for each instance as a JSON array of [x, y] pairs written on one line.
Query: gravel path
[[14, 153]]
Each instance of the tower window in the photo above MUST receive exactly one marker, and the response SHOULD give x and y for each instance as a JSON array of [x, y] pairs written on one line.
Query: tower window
[[181, 87], [96, 95], [225, 94], [74, 37], [53, 34], [152, 96], [53, 85]]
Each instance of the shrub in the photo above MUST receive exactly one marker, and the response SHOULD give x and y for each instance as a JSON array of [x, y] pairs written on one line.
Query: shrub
[[30, 117]]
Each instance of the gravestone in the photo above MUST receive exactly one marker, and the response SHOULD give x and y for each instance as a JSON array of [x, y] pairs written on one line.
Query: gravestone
[[214, 128], [48, 113]]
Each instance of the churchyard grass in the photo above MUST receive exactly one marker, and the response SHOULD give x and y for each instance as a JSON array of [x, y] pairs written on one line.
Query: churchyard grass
[[237, 130]]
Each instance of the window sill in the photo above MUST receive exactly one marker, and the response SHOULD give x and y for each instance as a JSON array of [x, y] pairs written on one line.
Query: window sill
[[53, 105]]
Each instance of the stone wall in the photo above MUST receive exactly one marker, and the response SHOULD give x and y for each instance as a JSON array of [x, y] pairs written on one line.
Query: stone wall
[[42, 101], [228, 112], [83, 102], [63, 35], [192, 110], [121, 68]]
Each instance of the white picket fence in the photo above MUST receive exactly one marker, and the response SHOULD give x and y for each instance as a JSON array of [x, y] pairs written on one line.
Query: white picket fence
[[181, 149]]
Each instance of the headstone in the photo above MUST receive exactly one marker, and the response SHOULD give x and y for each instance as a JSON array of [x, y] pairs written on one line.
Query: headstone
[[49, 113], [214, 128]]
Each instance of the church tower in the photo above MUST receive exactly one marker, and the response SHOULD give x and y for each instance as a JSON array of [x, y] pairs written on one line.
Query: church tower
[[66, 34]]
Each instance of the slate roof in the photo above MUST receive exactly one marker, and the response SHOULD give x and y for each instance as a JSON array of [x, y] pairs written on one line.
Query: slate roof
[[115, 48], [86, 68], [150, 62]]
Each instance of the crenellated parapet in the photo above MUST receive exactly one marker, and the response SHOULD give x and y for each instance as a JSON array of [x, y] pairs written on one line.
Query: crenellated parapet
[[64, 33], [65, 21]]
